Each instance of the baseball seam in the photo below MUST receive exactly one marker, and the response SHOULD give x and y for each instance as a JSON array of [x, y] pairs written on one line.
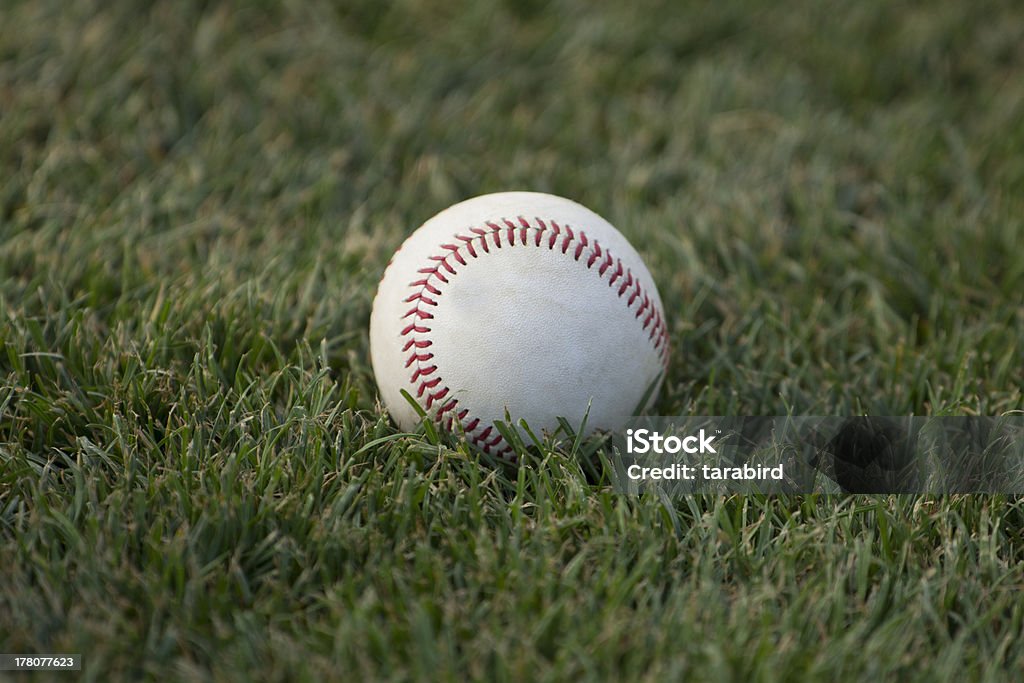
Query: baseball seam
[[429, 388]]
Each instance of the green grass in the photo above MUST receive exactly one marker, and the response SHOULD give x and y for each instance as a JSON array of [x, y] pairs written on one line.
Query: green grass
[[196, 202]]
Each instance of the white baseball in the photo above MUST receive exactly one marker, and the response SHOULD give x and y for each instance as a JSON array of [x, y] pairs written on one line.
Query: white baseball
[[517, 301]]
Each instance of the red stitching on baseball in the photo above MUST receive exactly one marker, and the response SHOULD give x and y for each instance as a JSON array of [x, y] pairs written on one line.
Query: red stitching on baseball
[[434, 272], [650, 316], [418, 343], [450, 405], [420, 296], [427, 385], [616, 275], [422, 315], [643, 306], [626, 284], [495, 233], [425, 378], [417, 357], [423, 372], [455, 253], [634, 295], [437, 396], [443, 261], [425, 284], [511, 232]]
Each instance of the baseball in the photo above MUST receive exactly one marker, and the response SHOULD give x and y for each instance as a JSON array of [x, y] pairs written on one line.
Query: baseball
[[521, 302]]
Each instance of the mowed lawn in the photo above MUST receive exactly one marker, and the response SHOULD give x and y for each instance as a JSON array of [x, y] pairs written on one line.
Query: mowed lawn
[[197, 199]]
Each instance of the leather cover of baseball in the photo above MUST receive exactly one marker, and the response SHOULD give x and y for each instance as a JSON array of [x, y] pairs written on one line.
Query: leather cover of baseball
[[521, 301]]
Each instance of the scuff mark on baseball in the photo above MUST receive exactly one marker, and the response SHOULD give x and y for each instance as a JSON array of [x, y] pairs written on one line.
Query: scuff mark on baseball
[[517, 301]]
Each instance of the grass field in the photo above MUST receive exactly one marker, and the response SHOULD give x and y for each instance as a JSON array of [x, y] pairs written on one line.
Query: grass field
[[198, 198]]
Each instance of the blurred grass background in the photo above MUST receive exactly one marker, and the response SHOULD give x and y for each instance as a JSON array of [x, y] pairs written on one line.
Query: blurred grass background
[[196, 202]]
